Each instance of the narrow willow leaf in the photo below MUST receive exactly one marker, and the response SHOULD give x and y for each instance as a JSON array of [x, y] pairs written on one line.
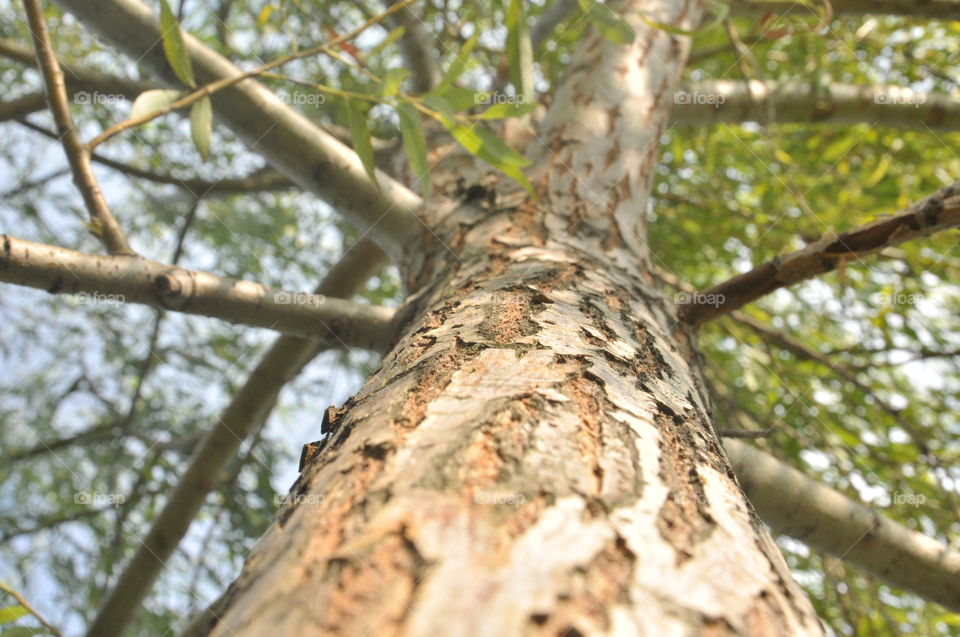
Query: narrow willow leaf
[[455, 98], [446, 115], [607, 23], [360, 136], [392, 80], [201, 126], [459, 63], [487, 146], [519, 50], [414, 144], [174, 47], [500, 111], [153, 100], [24, 631], [11, 613]]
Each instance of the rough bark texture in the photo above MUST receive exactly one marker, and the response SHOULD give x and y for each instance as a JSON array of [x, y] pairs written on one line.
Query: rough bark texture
[[536, 456]]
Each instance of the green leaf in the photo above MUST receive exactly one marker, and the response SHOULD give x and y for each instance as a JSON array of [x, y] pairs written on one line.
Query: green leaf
[[150, 101], [414, 144], [360, 136], [459, 63], [174, 47], [500, 111], [607, 23], [392, 81], [447, 115], [11, 613], [24, 631], [201, 125], [519, 50], [454, 98], [482, 143]]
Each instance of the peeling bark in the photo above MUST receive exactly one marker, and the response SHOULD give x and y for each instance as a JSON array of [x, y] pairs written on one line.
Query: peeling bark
[[536, 455]]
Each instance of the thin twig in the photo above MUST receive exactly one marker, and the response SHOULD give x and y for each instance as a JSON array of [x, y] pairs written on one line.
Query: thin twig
[[937, 212], [103, 224], [30, 609], [209, 89]]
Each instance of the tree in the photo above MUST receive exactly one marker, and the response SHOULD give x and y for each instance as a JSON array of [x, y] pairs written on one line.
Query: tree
[[548, 444]]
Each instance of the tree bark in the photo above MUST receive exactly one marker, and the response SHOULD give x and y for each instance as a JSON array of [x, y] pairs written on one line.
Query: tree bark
[[536, 455]]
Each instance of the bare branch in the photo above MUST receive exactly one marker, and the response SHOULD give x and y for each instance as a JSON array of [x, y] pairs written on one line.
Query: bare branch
[[947, 9], [248, 408], [918, 436], [937, 212], [296, 146], [103, 223], [798, 506], [713, 102], [132, 279], [22, 106], [23, 602], [558, 11]]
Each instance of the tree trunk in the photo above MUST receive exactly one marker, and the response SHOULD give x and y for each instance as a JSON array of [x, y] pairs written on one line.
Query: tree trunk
[[536, 455]]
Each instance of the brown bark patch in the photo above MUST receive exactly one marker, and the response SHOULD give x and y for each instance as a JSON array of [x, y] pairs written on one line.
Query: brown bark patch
[[510, 318], [430, 383], [587, 396], [684, 519], [371, 594]]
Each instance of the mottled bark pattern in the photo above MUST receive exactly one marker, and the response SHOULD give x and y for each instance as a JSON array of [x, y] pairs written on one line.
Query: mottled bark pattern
[[536, 455]]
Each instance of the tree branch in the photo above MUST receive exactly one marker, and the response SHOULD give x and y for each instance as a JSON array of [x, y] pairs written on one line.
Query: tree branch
[[79, 78], [248, 408], [713, 102], [917, 436], [798, 506], [259, 181], [937, 212], [558, 11], [103, 223], [947, 9], [297, 147], [131, 279]]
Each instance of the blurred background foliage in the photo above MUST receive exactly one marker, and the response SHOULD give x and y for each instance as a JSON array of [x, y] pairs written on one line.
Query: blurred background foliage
[[855, 380]]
